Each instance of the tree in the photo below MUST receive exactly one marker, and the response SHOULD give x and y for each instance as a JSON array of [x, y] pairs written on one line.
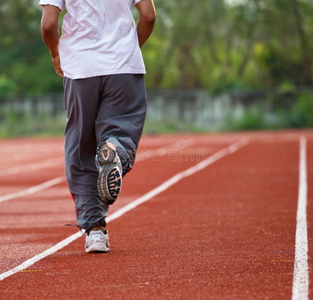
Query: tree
[[212, 44], [22, 52], [306, 56]]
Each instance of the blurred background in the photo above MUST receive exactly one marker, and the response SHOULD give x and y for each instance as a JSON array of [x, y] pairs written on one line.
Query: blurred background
[[212, 65]]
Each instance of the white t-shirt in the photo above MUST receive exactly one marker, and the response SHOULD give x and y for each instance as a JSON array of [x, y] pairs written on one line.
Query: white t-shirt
[[99, 37]]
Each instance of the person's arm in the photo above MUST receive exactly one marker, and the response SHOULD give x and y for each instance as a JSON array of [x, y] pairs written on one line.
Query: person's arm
[[50, 34], [147, 17]]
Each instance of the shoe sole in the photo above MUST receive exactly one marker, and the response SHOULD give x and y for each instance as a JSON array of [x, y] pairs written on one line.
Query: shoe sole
[[109, 180], [97, 248]]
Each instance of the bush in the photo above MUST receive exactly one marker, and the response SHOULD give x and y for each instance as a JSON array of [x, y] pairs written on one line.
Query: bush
[[7, 86], [301, 113], [251, 120]]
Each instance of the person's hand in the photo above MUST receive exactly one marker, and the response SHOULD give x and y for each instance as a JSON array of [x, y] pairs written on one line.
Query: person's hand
[[57, 65]]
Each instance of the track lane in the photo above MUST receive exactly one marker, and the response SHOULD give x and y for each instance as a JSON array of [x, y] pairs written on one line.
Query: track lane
[[36, 210], [163, 187], [160, 253], [310, 213]]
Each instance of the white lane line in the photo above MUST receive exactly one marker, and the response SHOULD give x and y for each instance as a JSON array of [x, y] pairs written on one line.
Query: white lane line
[[151, 154], [32, 190], [300, 288], [33, 166], [176, 178], [158, 152], [143, 155], [198, 167]]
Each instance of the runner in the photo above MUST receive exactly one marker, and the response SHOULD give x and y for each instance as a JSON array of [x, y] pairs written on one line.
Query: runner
[[99, 57]]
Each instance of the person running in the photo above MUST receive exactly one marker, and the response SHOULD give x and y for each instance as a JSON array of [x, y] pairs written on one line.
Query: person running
[[99, 58]]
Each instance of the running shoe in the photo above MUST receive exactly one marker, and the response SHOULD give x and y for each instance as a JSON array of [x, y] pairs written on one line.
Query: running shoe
[[97, 240], [110, 173]]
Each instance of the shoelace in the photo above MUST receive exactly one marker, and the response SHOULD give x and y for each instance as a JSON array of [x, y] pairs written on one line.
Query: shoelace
[[82, 230]]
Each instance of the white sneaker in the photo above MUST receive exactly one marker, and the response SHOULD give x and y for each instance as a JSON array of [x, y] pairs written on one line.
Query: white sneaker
[[110, 173], [97, 241]]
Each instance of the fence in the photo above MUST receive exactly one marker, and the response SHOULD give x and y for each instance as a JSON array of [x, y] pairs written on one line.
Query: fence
[[193, 107]]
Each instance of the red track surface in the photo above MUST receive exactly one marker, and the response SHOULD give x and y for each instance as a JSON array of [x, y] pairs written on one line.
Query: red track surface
[[225, 232]]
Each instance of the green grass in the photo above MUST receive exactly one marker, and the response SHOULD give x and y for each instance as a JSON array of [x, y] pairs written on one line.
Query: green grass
[[298, 115], [172, 126], [18, 124]]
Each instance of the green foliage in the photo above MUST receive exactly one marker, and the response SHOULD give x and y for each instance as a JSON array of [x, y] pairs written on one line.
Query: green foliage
[[213, 44], [37, 78], [24, 60], [248, 44], [301, 113], [289, 110], [7, 86], [170, 126], [251, 120], [21, 124]]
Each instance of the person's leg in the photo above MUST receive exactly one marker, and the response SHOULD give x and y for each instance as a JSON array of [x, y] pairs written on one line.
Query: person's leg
[[81, 104], [121, 115]]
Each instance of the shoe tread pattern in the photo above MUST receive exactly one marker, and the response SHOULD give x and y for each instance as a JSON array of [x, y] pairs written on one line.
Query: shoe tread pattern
[[110, 179]]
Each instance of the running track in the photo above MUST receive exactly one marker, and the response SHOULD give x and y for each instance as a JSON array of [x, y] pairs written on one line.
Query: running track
[[219, 216]]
